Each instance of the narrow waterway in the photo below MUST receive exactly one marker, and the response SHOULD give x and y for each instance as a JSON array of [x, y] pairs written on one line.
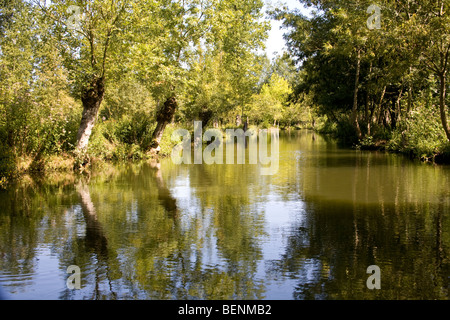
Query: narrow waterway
[[224, 231]]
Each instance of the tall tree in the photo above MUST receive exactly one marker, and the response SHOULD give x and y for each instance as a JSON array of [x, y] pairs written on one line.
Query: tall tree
[[432, 29], [243, 36], [179, 26], [88, 33], [411, 41], [192, 29], [17, 62]]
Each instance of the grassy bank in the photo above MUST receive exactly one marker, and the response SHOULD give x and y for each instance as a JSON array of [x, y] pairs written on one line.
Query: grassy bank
[[112, 141], [128, 139]]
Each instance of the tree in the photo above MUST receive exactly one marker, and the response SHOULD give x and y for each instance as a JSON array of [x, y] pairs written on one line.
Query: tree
[[432, 29], [196, 32], [165, 52], [336, 47], [16, 69], [328, 47], [210, 95], [88, 33], [270, 103], [240, 44]]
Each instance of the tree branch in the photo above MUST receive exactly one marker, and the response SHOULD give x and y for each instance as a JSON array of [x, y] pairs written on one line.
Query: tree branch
[[108, 37], [433, 66]]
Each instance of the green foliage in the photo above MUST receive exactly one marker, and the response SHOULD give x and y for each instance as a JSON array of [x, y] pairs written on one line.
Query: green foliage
[[367, 82], [7, 165], [127, 138], [419, 135], [268, 105], [324, 125], [127, 96], [168, 143], [205, 54]]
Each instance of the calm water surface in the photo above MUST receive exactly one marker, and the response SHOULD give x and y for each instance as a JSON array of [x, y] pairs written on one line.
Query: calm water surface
[[226, 232]]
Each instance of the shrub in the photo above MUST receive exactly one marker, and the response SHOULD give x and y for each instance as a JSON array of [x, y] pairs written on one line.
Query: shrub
[[167, 143], [345, 133], [420, 135], [123, 139], [99, 146], [7, 164]]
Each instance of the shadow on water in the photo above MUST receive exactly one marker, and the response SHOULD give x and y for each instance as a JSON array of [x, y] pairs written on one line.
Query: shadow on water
[[328, 252], [103, 256]]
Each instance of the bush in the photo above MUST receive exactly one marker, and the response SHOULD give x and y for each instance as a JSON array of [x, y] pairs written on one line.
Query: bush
[[167, 143], [345, 133], [420, 135], [126, 138], [7, 164], [265, 124], [99, 146], [323, 125]]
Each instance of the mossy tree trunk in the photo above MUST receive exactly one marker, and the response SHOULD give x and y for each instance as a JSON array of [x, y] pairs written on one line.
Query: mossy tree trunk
[[163, 117]]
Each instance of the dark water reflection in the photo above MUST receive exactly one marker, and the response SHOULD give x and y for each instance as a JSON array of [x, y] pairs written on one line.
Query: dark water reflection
[[165, 231]]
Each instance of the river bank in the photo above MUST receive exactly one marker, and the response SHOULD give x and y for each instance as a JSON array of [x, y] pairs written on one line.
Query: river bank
[[104, 149], [417, 137], [103, 152]]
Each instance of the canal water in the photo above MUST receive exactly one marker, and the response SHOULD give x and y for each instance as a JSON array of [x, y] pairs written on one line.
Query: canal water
[[224, 231]]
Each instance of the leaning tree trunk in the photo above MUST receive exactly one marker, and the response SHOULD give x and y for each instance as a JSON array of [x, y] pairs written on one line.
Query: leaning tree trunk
[[163, 117], [442, 106], [91, 98]]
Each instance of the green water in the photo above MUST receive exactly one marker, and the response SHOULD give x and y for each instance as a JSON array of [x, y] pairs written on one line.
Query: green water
[[167, 231]]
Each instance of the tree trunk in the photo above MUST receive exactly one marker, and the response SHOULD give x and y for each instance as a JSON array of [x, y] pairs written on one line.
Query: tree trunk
[[393, 114], [409, 107], [409, 101], [367, 113], [380, 106], [398, 107], [205, 116], [371, 116], [355, 98], [442, 106], [238, 120], [91, 99], [164, 117]]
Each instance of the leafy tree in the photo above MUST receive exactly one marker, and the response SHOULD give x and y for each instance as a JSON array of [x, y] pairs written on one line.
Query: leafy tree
[[210, 96], [351, 69], [198, 34], [432, 29], [89, 35], [270, 103]]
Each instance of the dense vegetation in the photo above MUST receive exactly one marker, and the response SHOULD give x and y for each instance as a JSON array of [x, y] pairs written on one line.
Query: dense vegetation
[[377, 72], [84, 80], [111, 79]]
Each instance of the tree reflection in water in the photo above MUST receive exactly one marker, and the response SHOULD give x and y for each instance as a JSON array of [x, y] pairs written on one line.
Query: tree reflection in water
[[162, 231]]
